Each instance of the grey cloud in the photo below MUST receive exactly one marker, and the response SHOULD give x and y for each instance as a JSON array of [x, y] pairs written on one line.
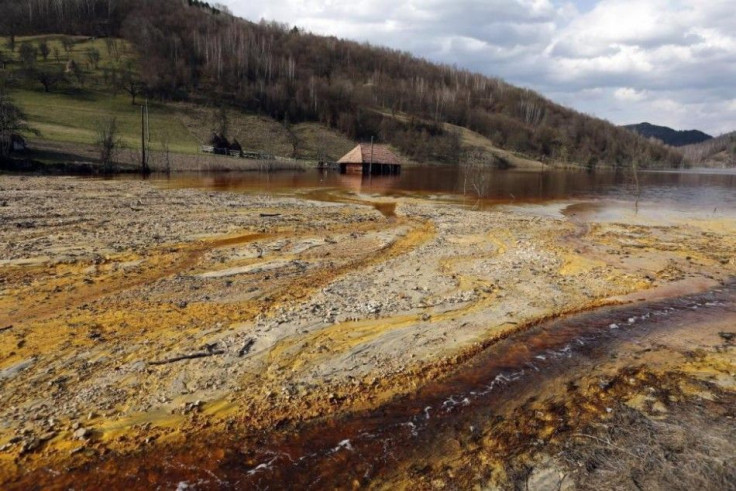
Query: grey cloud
[[682, 52]]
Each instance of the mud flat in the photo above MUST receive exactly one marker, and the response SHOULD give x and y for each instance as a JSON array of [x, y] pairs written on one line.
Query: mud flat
[[165, 337]]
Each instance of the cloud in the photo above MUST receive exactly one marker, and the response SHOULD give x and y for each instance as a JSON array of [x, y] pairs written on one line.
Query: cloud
[[627, 94], [612, 58]]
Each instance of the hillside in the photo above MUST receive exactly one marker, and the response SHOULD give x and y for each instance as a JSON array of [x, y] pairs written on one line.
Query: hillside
[[669, 136], [197, 56], [718, 152]]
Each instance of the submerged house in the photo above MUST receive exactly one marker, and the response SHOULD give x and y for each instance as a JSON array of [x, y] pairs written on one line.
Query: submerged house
[[367, 159]]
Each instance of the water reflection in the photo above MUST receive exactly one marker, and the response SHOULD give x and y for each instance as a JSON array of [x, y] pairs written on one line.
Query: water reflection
[[701, 189]]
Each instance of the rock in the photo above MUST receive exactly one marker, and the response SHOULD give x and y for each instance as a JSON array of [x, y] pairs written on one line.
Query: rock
[[30, 445], [81, 434], [727, 336], [546, 477], [47, 436]]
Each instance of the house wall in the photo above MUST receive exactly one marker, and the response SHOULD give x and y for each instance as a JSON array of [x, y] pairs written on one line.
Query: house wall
[[351, 168], [375, 169]]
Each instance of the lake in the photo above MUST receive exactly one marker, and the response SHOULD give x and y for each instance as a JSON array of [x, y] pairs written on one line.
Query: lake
[[703, 190]]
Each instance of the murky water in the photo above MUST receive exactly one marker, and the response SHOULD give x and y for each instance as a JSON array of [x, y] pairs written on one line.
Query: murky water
[[707, 189]]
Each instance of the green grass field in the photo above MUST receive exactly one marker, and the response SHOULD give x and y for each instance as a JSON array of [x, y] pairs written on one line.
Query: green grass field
[[73, 110], [75, 119]]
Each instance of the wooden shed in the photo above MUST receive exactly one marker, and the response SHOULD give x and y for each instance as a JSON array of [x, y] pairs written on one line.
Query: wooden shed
[[370, 159], [219, 144]]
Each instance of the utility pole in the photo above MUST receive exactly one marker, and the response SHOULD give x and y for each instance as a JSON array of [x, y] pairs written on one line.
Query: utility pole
[[144, 161], [370, 165]]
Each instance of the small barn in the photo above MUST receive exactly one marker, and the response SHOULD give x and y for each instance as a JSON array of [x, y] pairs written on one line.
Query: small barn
[[219, 144], [370, 159], [236, 149]]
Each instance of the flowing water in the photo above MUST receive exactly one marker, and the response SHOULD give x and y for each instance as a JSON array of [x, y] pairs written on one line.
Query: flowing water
[[359, 447], [363, 446]]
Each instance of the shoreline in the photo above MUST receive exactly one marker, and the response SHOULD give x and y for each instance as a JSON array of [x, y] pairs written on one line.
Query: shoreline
[[149, 316]]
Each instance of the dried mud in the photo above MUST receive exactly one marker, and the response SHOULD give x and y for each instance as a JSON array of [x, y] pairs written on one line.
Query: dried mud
[[161, 337]]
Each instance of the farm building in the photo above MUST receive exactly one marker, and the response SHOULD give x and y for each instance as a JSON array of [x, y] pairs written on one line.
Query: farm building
[[367, 158]]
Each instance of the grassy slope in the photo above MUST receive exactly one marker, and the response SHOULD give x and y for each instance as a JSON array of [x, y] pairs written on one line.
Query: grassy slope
[[71, 114], [471, 140], [74, 119]]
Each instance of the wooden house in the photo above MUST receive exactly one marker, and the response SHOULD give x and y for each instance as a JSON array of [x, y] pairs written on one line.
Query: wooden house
[[219, 144], [370, 159]]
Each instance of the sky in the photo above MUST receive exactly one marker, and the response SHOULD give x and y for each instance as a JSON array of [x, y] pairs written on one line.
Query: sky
[[668, 62]]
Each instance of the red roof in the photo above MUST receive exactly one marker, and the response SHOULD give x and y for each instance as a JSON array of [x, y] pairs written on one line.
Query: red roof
[[361, 154]]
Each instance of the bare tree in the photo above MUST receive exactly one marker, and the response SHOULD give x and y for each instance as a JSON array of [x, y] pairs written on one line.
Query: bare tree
[[293, 138], [113, 48], [93, 56], [166, 151], [129, 83], [49, 78], [67, 43], [221, 122], [12, 120], [637, 186], [475, 165], [27, 53], [108, 142], [74, 68], [43, 48]]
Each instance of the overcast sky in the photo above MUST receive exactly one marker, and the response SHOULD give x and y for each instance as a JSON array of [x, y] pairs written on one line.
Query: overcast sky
[[668, 62]]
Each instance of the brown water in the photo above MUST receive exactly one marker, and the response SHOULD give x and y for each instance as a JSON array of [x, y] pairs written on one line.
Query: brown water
[[363, 446], [355, 449], [707, 189]]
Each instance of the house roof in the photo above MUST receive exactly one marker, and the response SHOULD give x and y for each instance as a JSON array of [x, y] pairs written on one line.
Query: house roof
[[361, 154]]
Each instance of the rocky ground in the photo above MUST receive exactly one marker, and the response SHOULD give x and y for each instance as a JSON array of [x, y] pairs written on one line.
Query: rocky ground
[[133, 316]]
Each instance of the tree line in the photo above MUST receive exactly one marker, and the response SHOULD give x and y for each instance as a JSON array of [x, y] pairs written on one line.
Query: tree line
[[194, 50]]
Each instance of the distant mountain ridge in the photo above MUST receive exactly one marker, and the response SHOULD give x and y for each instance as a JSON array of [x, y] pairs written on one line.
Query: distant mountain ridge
[[668, 135]]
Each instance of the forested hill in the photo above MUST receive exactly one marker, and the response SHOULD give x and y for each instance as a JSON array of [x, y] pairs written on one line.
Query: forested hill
[[668, 135], [716, 152], [191, 50]]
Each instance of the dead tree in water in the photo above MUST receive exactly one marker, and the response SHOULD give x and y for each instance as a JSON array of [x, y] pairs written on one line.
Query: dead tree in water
[[637, 187]]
